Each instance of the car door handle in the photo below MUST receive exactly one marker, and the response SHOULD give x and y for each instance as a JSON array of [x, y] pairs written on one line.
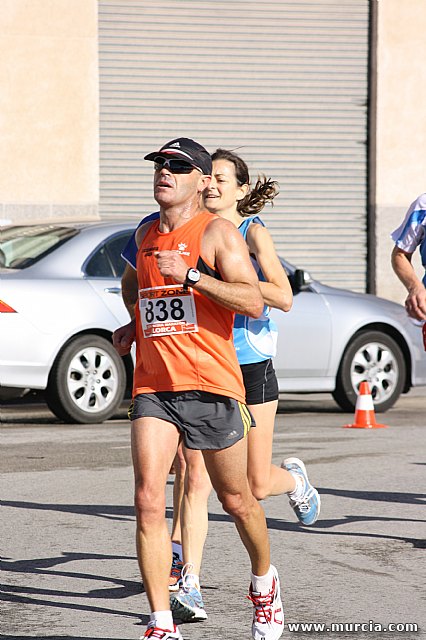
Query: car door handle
[[116, 290]]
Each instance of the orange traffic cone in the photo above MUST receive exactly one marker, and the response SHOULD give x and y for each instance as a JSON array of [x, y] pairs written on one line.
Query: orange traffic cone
[[364, 411]]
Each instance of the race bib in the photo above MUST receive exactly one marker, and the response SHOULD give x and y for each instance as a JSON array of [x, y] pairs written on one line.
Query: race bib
[[167, 310]]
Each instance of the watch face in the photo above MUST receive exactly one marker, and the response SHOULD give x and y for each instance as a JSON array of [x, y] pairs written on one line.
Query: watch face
[[193, 275]]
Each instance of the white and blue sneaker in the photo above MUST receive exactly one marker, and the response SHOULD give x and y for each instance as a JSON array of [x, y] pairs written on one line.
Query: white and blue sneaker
[[307, 505], [187, 604]]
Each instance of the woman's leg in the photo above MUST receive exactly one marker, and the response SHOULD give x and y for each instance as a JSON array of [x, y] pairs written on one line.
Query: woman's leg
[[179, 467], [194, 511], [265, 478], [188, 603]]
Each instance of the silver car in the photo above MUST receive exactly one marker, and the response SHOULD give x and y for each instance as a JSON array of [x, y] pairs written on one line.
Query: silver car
[[60, 301]]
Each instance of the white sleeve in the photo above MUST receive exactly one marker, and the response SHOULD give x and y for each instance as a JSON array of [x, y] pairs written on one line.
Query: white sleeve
[[410, 233]]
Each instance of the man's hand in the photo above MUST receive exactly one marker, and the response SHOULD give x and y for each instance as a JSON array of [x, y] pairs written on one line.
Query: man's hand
[[123, 338], [416, 303], [172, 265]]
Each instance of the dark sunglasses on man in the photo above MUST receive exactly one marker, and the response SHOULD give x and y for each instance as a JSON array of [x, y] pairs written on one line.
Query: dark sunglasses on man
[[175, 165]]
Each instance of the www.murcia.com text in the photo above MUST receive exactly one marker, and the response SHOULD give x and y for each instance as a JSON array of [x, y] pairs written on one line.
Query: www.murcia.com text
[[352, 627]]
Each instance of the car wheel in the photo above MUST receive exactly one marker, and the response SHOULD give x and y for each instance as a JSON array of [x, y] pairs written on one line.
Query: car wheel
[[375, 357], [87, 381]]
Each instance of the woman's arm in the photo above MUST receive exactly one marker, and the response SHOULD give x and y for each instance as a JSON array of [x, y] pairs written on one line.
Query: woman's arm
[[276, 291]]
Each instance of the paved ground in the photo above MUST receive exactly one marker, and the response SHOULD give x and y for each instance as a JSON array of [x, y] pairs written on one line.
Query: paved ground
[[67, 538]]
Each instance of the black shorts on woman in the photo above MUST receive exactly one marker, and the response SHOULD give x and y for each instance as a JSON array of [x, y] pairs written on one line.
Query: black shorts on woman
[[260, 382]]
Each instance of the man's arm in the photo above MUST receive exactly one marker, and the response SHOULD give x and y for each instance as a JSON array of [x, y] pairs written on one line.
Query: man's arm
[[239, 290], [224, 246], [124, 336], [416, 299], [129, 289]]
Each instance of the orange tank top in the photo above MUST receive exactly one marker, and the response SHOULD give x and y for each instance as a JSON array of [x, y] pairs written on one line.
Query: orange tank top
[[183, 339]]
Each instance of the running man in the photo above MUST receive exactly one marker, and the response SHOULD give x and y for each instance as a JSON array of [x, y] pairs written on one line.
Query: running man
[[193, 273]]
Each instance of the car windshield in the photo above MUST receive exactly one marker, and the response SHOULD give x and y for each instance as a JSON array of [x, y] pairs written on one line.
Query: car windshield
[[20, 247]]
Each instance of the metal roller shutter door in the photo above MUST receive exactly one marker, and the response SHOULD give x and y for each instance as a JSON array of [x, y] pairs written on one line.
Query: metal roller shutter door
[[283, 82]]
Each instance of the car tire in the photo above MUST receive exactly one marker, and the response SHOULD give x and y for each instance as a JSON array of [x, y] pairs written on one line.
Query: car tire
[[87, 381], [375, 357]]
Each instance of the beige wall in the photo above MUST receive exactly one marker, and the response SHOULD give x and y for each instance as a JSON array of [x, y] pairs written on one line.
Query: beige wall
[[49, 120], [49, 115], [401, 126]]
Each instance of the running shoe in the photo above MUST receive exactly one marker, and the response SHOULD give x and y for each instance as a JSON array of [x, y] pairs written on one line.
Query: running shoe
[[307, 508], [187, 605], [175, 573], [268, 614], [155, 632]]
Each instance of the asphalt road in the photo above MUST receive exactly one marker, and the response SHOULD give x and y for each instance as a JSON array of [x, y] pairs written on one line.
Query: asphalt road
[[67, 529]]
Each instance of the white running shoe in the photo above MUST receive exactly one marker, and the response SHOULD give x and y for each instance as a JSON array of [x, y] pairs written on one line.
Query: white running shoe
[[268, 613], [161, 634]]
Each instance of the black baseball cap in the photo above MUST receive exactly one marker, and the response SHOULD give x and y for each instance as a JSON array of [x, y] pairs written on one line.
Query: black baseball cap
[[185, 149]]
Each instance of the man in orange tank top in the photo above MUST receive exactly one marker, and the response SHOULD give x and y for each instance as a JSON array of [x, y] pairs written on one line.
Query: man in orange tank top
[[193, 272]]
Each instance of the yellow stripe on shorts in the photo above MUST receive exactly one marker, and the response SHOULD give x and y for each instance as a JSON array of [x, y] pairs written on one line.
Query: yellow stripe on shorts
[[245, 416]]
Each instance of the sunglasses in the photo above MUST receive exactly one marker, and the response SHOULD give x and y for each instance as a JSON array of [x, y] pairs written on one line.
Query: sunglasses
[[173, 164]]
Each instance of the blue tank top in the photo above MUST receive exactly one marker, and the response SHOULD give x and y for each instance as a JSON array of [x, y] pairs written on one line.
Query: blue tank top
[[255, 339]]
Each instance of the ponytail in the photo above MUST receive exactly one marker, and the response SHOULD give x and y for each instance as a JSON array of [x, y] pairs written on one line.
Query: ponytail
[[264, 190]]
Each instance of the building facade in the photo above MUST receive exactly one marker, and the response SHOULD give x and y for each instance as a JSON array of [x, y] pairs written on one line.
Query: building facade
[[324, 96]]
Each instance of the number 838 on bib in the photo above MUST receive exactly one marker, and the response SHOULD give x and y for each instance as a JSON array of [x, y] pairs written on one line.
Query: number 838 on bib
[[167, 310]]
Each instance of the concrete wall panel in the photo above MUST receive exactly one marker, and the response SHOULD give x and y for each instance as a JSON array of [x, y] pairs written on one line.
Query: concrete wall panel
[[49, 118], [401, 126]]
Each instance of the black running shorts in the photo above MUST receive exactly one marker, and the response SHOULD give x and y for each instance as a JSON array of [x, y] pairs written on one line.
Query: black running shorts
[[260, 382], [206, 420]]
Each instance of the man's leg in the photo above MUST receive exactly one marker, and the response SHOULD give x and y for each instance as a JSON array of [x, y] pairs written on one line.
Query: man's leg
[[154, 445], [228, 472]]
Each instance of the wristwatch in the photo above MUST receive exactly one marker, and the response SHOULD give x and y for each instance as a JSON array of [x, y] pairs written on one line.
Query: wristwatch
[[191, 278]]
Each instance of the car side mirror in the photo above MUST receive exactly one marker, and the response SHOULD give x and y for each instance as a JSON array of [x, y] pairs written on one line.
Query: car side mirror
[[301, 279]]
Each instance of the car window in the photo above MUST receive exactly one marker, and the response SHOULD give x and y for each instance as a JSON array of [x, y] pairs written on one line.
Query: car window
[[114, 247], [20, 247], [99, 265], [107, 262]]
